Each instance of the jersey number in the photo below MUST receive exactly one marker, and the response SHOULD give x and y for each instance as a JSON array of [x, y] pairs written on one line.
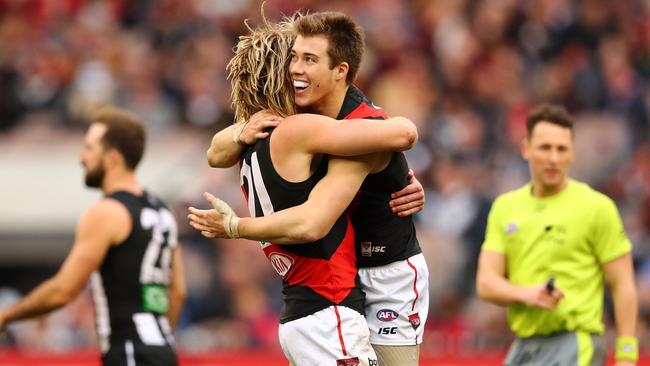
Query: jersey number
[[246, 174], [156, 264]]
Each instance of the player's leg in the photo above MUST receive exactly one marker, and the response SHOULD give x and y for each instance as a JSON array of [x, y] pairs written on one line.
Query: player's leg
[[334, 336], [397, 355], [397, 305]]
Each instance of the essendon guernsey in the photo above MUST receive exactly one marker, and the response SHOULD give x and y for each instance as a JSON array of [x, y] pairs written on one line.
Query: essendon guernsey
[[382, 237], [315, 275]]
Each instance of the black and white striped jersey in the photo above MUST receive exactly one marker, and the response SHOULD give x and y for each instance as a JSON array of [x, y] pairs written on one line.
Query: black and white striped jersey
[[130, 287]]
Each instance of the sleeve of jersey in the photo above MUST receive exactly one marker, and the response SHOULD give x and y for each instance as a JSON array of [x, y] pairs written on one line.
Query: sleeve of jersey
[[494, 234], [609, 238]]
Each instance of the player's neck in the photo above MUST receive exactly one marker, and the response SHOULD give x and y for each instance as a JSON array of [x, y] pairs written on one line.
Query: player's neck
[[540, 191], [332, 102], [120, 181]]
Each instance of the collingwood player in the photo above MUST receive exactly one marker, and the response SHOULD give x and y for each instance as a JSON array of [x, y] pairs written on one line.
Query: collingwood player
[[126, 243]]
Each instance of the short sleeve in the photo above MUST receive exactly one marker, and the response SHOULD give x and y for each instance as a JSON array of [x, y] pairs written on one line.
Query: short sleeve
[[609, 239], [494, 234]]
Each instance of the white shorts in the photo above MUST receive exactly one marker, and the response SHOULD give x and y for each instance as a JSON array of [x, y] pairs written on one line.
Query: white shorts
[[336, 335], [397, 301]]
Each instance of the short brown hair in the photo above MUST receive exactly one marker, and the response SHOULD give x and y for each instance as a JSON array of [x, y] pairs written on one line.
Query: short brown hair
[[551, 113], [124, 133], [345, 36], [259, 71]]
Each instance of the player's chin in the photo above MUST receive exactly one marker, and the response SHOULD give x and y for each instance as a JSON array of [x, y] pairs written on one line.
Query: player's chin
[[302, 98], [553, 183]]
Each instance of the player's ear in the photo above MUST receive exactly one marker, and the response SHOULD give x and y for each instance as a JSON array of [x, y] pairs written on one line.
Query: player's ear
[[113, 157], [525, 148], [342, 70]]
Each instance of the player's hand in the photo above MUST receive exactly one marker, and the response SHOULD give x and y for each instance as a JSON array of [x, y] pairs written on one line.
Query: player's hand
[[258, 122], [410, 199], [221, 222], [540, 297]]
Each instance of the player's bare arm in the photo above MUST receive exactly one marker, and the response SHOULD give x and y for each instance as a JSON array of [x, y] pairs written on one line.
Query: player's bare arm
[[318, 134], [228, 144], [176, 289], [224, 151], [104, 223], [492, 285], [307, 222], [619, 274]]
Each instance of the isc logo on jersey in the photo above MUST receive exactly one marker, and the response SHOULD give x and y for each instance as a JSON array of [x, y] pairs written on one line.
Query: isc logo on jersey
[[367, 248], [387, 315], [281, 263]]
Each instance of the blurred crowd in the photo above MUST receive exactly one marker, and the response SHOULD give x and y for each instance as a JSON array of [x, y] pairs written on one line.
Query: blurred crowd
[[466, 72]]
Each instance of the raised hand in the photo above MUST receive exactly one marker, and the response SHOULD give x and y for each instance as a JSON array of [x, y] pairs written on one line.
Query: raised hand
[[253, 130], [220, 222]]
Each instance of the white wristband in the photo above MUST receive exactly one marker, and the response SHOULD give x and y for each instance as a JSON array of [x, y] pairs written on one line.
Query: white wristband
[[230, 220]]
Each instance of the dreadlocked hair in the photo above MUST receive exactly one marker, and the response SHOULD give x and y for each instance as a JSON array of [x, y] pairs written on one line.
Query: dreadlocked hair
[[258, 71]]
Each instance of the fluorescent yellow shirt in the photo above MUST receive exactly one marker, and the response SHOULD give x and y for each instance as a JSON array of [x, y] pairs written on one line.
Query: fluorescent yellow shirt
[[570, 236]]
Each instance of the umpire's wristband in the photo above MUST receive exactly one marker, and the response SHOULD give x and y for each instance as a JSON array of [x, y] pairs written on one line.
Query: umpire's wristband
[[627, 349]]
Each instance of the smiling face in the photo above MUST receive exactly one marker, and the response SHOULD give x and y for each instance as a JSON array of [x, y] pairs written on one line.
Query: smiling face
[[92, 156], [549, 151], [314, 78]]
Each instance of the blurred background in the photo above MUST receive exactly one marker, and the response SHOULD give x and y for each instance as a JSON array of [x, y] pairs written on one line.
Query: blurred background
[[466, 72]]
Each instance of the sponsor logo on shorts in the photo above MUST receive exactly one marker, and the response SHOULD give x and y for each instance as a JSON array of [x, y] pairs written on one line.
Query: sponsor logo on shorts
[[387, 315], [387, 331], [348, 362], [281, 263], [414, 319]]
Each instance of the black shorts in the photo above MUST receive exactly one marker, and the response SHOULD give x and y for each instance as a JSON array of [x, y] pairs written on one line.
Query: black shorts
[[128, 353]]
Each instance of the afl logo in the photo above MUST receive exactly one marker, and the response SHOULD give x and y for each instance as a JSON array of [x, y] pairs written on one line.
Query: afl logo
[[281, 263], [387, 315]]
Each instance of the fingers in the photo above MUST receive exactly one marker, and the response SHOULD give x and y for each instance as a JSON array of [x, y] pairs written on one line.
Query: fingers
[[204, 221], [410, 176], [254, 129], [409, 212], [202, 214], [199, 226], [208, 234], [406, 195], [408, 208], [406, 190], [271, 123], [209, 197], [208, 218], [550, 301], [219, 205], [407, 202]]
